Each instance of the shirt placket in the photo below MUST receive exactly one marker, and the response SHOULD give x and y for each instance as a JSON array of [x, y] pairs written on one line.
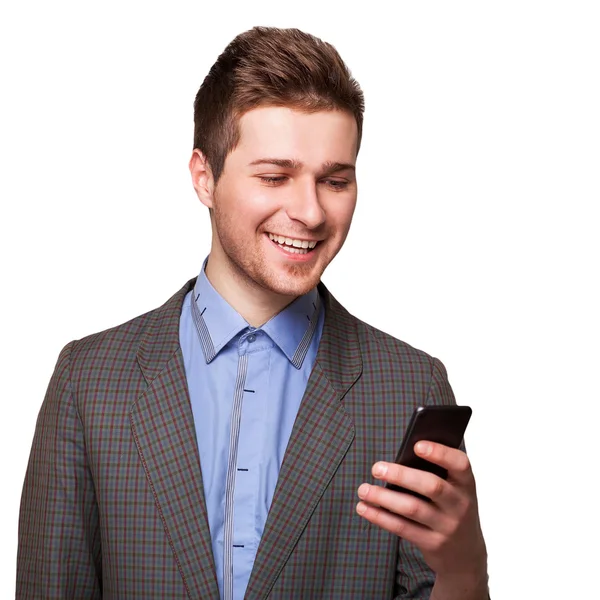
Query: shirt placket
[[236, 415]]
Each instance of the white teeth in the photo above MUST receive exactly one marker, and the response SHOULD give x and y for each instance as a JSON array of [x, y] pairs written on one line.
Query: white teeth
[[293, 250], [292, 244]]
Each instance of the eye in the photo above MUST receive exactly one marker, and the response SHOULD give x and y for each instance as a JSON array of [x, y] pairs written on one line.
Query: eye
[[272, 179], [336, 184]]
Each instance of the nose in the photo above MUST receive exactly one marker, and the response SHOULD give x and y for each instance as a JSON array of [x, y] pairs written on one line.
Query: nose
[[304, 205]]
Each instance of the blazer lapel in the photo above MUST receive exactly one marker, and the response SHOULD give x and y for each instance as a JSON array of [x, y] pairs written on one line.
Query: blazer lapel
[[321, 436], [163, 427]]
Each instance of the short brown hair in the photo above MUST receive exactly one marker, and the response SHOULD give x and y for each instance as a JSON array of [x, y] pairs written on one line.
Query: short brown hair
[[267, 66]]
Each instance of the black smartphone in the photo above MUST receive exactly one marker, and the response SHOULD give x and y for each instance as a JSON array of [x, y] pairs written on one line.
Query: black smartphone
[[444, 424]]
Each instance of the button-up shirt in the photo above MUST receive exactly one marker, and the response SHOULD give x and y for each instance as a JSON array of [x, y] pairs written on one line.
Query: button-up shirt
[[245, 385]]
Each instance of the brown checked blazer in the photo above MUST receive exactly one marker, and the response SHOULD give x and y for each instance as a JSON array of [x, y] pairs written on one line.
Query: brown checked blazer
[[113, 503]]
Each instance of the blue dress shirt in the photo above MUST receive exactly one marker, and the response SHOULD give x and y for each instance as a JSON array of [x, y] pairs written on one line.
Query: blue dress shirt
[[245, 385]]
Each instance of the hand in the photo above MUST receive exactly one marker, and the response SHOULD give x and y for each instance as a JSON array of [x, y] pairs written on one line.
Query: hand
[[447, 529]]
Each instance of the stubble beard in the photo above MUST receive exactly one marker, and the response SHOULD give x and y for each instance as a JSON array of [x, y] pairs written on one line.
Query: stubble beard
[[254, 270], [251, 268]]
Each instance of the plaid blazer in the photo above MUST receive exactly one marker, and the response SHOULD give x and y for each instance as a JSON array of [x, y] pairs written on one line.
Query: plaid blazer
[[113, 504]]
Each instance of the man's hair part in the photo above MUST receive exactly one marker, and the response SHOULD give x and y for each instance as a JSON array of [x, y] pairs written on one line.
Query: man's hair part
[[268, 66]]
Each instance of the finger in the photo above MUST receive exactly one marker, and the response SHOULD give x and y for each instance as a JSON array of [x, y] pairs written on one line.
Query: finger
[[405, 528], [404, 505], [455, 461], [422, 482]]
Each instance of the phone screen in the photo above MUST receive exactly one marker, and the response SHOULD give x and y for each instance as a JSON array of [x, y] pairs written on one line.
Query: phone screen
[[442, 424]]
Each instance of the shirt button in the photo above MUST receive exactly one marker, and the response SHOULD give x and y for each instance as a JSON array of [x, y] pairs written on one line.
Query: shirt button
[[251, 338]]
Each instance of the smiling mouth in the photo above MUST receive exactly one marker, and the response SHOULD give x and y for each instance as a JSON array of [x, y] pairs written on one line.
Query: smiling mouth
[[293, 245]]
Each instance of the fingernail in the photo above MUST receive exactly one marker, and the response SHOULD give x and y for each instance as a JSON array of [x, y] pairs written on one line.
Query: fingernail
[[423, 448], [379, 469], [363, 490], [361, 508]]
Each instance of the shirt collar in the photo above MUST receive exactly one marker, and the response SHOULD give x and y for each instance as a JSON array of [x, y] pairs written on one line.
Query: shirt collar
[[292, 329], [218, 322]]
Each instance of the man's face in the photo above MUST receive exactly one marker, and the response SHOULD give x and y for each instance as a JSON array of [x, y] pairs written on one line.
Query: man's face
[[284, 202]]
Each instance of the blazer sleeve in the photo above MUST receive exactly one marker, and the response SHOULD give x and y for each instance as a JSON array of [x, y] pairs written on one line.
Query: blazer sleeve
[[59, 554], [414, 578]]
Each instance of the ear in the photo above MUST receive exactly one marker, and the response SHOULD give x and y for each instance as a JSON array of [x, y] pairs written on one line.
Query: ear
[[202, 178]]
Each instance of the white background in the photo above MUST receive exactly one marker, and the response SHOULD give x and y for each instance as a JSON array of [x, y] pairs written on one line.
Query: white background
[[475, 237]]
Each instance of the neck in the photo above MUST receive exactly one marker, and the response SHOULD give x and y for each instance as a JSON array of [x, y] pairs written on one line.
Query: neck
[[256, 304]]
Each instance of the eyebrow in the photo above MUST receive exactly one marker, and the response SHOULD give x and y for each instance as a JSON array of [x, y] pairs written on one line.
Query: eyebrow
[[285, 163], [327, 168], [333, 167]]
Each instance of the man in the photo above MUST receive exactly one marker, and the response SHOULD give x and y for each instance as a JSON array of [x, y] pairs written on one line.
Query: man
[[214, 447]]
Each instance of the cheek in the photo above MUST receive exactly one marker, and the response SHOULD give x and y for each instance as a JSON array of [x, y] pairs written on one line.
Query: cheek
[[247, 203], [341, 213]]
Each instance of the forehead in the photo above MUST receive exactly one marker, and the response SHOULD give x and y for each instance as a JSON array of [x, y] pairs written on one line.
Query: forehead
[[283, 132]]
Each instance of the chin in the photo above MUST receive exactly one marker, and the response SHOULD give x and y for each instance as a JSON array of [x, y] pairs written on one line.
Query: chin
[[290, 284], [291, 288]]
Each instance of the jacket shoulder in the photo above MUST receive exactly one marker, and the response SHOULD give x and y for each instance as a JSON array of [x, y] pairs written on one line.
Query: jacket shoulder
[[393, 348], [380, 351], [121, 342], [384, 351]]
